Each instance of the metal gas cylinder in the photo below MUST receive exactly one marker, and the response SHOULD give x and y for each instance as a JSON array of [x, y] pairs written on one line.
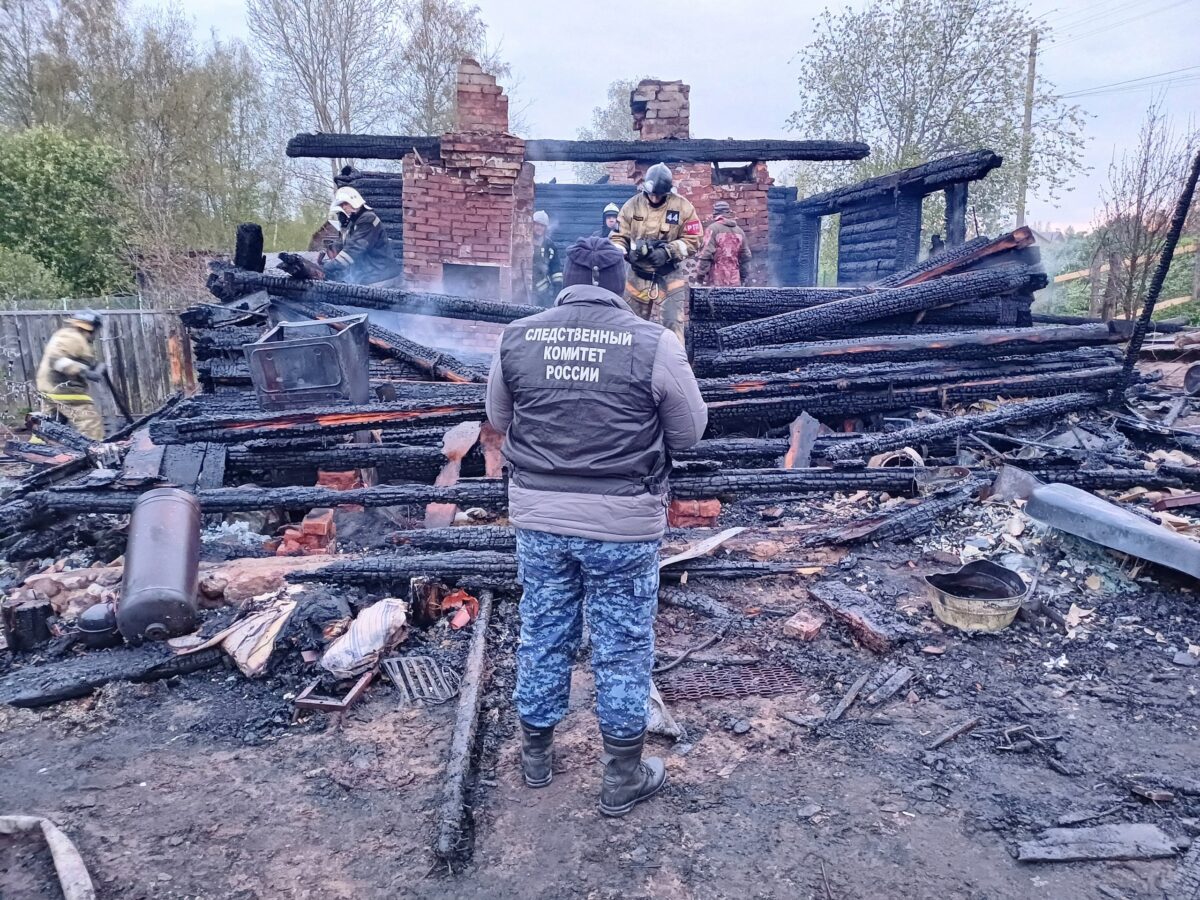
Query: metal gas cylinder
[[162, 564]]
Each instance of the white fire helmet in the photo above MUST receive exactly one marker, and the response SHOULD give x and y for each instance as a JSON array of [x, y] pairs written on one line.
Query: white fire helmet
[[349, 195], [540, 218]]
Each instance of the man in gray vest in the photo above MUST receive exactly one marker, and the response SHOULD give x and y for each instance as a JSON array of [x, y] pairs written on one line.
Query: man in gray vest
[[591, 400]]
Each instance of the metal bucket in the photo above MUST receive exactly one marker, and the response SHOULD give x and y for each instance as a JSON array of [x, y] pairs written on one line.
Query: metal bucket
[[981, 596]]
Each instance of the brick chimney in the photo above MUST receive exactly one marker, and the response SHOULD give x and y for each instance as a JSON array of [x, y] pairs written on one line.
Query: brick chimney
[[473, 207], [661, 109]]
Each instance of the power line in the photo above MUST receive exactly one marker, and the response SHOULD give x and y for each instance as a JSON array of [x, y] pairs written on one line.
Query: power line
[[1101, 87], [1170, 82], [1083, 35]]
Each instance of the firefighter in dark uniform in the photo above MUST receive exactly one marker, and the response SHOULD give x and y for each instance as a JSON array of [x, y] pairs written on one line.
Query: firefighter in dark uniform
[[362, 254], [547, 262], [591, 401], [657, 230]]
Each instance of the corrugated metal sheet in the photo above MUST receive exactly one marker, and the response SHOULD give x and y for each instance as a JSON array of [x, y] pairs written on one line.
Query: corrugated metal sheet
[[147, 352]]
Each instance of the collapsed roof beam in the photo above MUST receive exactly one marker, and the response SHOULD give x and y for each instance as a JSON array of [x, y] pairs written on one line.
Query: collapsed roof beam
[[923, 179], [377, 146]]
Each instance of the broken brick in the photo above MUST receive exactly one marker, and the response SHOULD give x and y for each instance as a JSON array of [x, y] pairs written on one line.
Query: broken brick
[[318, 522], [804, 626], [693, 513]]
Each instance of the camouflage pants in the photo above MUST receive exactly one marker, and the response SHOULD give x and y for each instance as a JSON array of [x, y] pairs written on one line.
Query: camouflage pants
[[618, 584], [83, 416], [663, 300]]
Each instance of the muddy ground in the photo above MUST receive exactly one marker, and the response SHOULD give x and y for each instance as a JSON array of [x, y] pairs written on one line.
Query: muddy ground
[[202, 787]]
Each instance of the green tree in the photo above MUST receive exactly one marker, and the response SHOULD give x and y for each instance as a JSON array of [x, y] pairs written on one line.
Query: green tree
[[917, 81], [611, 122], [434, 36], [63, 208], [25, 282]]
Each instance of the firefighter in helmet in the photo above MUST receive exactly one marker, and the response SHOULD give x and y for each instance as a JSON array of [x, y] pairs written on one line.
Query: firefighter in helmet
[[362, 255], [657, 229], [69, 364], [547, 262], [611, 214]]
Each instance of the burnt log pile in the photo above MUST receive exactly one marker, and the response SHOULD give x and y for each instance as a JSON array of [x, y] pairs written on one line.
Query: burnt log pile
[[954, 329], [812, 393]]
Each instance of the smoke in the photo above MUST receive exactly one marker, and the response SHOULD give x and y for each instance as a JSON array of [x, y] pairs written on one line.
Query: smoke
[[422, 327]]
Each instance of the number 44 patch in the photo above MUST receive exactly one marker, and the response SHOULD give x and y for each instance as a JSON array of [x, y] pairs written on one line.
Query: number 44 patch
[[673, 217]]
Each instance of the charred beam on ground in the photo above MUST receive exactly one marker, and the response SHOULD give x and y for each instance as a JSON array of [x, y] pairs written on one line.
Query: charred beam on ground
[[976, 344], [1029, 411], [819, 320], [448, 306], [324, 421]]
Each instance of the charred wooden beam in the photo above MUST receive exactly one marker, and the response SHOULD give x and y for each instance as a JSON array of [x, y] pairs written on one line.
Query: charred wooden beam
[[248, 248], [989, 344], [376, 146], [1029, 411], [327, 420], [462, 743], [964, 256], [818, 320], [693, 150], [225, 500], [448, 306], [434, 363], [902, 523], [925, 179], [844, 378], [363, 146], [408, 463], [741, 304], [58, 433], [399, 567], [211, 343], [1174, 230], [493, 538], [774, 412], [759, 482]]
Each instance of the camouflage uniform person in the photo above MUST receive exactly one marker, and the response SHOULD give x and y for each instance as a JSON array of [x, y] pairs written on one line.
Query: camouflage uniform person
[[590, 399], [68, 364], [657, 230], [724, 260]]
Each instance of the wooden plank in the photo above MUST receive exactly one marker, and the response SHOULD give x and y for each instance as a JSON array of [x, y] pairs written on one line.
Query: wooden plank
[[1127, 840], [844, 704]]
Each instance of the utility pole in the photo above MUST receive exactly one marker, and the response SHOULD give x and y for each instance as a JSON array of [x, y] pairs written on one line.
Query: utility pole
[[1027, 127]]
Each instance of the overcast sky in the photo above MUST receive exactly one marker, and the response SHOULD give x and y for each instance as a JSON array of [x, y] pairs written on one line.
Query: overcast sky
[[738, 58]]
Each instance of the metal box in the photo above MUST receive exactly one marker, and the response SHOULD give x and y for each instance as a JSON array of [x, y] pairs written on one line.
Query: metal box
[[309, 363]]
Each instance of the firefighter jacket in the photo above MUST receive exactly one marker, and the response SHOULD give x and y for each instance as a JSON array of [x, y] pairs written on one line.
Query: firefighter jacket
[[67, 356], [547, 272], [365, 255], [674, 221], [724, 260], [591, 401]]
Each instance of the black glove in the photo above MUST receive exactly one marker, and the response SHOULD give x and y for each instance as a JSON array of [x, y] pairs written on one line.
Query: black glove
[[95, 373], [659, 257]]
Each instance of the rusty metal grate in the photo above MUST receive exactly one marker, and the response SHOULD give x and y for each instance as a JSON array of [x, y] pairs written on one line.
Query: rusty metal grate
[[729, 681], [420, 680]]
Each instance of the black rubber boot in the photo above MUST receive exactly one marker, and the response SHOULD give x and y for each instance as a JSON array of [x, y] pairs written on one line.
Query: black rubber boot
[[537, 757], [629, 779]]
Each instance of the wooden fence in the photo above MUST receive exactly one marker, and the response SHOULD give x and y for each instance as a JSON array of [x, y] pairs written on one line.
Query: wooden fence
[[147, 351]]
